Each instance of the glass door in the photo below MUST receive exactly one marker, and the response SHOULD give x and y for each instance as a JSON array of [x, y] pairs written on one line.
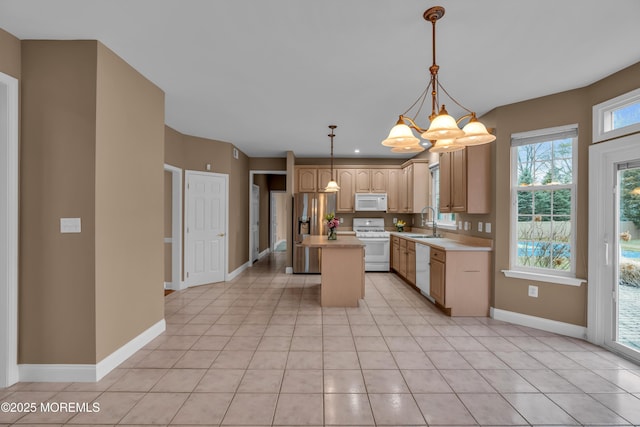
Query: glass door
[[626, 284]]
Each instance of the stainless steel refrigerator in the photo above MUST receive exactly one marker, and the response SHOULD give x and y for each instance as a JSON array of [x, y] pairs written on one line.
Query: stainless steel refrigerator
[[309, 210]]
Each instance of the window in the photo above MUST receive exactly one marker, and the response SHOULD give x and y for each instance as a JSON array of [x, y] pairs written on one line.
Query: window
[[443, 218], [617, 117], [543, 198]]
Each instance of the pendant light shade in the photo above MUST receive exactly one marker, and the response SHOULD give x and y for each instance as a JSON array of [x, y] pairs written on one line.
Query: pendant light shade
[[401, 135], [443, 126], [332, 187], [475, 133], [408, 149], [446, 146]]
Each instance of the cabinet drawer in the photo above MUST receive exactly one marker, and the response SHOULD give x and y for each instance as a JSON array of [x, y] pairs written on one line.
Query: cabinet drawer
[[438, 254]]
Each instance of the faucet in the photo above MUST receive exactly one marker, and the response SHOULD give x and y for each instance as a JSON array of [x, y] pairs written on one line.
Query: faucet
[[434, 224]]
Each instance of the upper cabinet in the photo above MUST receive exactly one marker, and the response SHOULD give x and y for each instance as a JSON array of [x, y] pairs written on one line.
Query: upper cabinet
[[394, 184], [415, 186], [372, 180], [312, 179], [465, 180], [346, 179]]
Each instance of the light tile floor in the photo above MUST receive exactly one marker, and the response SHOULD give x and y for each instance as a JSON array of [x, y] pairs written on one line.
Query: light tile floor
[[260, 351]]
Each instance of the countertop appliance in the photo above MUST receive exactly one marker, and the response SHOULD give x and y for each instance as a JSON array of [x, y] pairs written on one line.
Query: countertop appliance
[[371, 202], [309, 210], [377, 243], [423, 270]]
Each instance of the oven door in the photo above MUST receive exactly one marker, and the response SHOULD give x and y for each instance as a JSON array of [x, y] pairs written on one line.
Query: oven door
[[376, 253]]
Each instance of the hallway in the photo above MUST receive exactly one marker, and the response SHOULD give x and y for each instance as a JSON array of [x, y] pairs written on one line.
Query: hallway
[[260, 351]]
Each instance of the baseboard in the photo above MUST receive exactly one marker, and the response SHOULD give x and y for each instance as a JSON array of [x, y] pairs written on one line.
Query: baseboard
[[541, 323], [264, 253], [88, 372], [237, 271]]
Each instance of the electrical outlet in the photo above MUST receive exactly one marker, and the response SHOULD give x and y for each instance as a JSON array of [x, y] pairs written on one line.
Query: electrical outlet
[[395, 220], [480, 226], [466, 226], [533, 291], [341, 220], [487, 227], [459, 225]]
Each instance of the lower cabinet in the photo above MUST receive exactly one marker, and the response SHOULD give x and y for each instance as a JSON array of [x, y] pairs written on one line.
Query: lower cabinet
[[460, 281], [403, 258]]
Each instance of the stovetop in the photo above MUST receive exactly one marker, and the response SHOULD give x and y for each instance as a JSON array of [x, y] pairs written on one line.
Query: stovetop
[[369, 227]]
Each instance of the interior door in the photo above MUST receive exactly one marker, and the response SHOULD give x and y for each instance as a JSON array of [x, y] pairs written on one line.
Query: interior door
[[206, 227]]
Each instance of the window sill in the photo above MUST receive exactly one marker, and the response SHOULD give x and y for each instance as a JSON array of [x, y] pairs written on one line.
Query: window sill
[[559, 280]]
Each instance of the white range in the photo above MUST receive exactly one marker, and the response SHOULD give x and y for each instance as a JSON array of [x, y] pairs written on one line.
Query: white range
[[377, 243]]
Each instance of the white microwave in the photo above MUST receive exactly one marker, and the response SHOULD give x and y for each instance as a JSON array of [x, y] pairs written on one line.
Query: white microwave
[[371, 202]]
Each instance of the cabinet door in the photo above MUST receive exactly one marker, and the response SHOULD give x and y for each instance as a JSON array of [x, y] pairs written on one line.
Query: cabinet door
[[411, 263], [347, 181], [409, 188], [402, 190], [393, 190], [363, 184], [379, 180], [402, 268], [306, 179], [445, 182], [459, 181], [436, 276], [395, 253], [324, 176]]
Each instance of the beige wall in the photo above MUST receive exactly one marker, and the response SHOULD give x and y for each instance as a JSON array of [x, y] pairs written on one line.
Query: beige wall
[[129, 203], [193, 153], [57, 180], [9, 54], [556, 302], [92, 148]]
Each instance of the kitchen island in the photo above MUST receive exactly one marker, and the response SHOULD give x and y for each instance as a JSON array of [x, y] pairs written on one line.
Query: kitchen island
[[341, 268]]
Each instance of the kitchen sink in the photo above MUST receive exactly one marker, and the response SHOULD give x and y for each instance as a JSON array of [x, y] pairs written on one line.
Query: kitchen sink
[[424, 236]]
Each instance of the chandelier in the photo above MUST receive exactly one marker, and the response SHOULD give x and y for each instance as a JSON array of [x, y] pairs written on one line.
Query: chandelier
[[444, 130], [332, 186]]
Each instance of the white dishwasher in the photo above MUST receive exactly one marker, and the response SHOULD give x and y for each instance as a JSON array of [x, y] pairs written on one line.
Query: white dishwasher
[[423, 258]]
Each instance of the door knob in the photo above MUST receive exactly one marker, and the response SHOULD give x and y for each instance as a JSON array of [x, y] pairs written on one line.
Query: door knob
[[220, 234]]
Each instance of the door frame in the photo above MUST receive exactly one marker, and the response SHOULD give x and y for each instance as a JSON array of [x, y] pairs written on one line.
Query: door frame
[[225, 177], [9, 214], [251, 174], [602, 225], [176, 227]]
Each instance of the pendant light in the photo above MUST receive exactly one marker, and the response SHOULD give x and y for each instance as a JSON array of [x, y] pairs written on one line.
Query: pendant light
[[443, 127], [332, 186]]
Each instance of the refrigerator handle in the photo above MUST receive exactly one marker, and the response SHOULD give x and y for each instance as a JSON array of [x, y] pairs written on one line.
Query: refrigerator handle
[[314, 214]]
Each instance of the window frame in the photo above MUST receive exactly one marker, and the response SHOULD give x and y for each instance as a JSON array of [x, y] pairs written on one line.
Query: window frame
[[602, 127], [540, 273], [447, 224]]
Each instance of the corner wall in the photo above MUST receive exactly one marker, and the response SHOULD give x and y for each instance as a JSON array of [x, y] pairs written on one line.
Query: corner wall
[[129, 182]]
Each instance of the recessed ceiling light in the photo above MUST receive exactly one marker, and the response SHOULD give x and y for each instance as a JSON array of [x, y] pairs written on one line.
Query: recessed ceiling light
[[356, 150]]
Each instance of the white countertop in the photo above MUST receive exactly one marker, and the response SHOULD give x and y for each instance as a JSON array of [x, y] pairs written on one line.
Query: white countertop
[[442, 243]]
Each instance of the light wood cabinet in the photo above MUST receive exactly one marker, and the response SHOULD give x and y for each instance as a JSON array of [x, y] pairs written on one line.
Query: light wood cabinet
[[371, 180], [411, 262], [312, 179], [465, 180], [436, 276], [403, 258], [393, 190], [346, 179], [415, 186], [459, 281], [395, 253]]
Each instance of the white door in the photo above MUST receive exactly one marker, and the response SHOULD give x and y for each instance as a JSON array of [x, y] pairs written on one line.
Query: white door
[[613, 295], [206, 227], [255, 222]]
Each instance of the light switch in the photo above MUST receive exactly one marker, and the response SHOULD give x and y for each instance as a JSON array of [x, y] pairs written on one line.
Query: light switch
[[70, 225], [480, 226], [487, 227]]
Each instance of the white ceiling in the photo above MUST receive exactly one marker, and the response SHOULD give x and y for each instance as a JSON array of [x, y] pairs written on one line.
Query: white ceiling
[[270, 76]]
